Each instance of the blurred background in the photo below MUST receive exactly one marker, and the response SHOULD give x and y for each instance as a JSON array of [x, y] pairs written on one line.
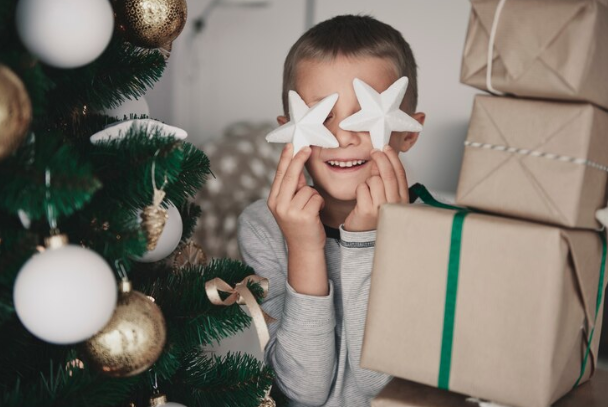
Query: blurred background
[[223, 85], [227, 67]]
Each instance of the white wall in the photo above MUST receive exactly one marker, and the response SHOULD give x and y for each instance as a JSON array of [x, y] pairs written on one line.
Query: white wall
[[232, 71]]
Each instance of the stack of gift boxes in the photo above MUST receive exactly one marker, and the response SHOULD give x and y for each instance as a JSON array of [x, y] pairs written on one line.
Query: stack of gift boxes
[[503, 301]]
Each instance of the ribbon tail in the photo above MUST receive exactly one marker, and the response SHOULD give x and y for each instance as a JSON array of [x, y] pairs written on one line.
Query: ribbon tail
[[256, 314]]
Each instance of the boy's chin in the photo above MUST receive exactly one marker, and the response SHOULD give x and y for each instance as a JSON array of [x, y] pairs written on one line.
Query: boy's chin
[[343, 195]]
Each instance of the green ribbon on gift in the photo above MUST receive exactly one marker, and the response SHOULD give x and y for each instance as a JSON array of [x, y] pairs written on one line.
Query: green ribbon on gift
[[598, 303], [449, 314]]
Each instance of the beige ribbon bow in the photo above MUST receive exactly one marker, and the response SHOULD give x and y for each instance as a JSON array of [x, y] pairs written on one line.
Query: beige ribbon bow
[[242, 296]]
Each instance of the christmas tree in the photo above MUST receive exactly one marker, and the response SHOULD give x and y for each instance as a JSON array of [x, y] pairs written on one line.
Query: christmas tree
[[122, 198]]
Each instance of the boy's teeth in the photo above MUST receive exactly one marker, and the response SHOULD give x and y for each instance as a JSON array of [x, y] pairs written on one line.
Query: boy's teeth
[[343, 164]]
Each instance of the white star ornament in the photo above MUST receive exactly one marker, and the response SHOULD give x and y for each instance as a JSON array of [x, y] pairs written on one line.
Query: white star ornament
[[305, 127], [380, 113]]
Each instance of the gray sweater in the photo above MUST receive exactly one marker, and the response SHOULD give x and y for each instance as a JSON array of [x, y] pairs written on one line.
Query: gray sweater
[[315, 345]]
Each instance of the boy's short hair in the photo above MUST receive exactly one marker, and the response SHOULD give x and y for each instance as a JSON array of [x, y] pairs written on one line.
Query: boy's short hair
[[352, 36]]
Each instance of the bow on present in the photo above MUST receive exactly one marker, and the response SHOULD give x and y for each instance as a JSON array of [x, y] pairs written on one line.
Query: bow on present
[[242, 296]]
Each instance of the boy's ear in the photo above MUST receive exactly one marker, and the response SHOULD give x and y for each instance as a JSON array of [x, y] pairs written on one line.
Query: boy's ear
[[282, 120], [408, 139]]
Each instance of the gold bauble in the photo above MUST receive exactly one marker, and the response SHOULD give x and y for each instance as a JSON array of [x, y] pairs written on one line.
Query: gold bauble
[[133, 339], [150, 23], [15, 111], [153, 219]]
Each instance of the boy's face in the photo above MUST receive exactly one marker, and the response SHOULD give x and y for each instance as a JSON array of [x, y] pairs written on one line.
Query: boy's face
[[318, 79]]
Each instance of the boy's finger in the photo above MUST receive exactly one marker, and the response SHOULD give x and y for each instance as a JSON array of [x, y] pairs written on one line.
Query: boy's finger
[[289, 183], [393, 157], [374, 170], [376, 189], [389, 178], [302, 197], [364, 197], [315, 204], [284, 161], [301, 181]]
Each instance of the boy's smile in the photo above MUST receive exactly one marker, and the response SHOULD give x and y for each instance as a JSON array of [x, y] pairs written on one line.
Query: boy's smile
[[337, 172]]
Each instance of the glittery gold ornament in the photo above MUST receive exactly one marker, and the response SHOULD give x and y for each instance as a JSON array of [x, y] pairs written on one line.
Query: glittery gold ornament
[[190, 254], [268, 402], [153, 219], [133, 339], [15, 111], [150, 23]]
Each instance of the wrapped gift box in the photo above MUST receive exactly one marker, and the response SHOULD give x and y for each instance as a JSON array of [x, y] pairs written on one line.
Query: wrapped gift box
[[511, 325], [403, 393], [545, 161], [545, 48]]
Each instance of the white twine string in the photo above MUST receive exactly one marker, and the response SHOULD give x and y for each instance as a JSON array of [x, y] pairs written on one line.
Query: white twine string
[[533, 153], [50, 213], [120, 268], [491, 48], [158, 194]]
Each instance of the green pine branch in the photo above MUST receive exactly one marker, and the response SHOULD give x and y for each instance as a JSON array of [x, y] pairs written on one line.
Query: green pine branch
[[195, 168], [124, 165], [108, 229], [70, 386], [236, 380], [190, 213], [192, 319], [72, 182], [123, 71]]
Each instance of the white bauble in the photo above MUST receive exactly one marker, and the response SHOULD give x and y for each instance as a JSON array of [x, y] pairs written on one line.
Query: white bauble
[[169, 238], [65, 295], [65, 33], [137, 107]]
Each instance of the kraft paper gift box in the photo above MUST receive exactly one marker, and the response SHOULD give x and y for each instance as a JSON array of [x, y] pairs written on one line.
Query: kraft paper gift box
[[501, 311], [545, 49], [538, 160], [404, 393]]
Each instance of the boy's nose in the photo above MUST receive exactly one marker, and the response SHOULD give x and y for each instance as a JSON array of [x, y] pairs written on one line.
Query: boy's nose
[[346, 138]]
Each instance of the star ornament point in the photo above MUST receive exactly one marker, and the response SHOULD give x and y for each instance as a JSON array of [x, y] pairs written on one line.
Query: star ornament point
[[305, 127], [380, 113]]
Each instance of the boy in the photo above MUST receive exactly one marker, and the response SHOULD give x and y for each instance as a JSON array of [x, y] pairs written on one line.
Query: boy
[[315, 244]]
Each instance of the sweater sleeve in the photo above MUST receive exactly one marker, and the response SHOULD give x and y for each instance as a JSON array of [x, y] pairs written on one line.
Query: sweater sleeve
[[302, 348], [357, 253]]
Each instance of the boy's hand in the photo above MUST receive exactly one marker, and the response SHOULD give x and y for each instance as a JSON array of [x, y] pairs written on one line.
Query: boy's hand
[[387, 184], [295, 205]]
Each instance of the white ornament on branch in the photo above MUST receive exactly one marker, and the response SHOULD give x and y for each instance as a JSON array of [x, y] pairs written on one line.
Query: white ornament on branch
[[65, 33], [305, 127], [120, 129], [380, 113], [66, 293]]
